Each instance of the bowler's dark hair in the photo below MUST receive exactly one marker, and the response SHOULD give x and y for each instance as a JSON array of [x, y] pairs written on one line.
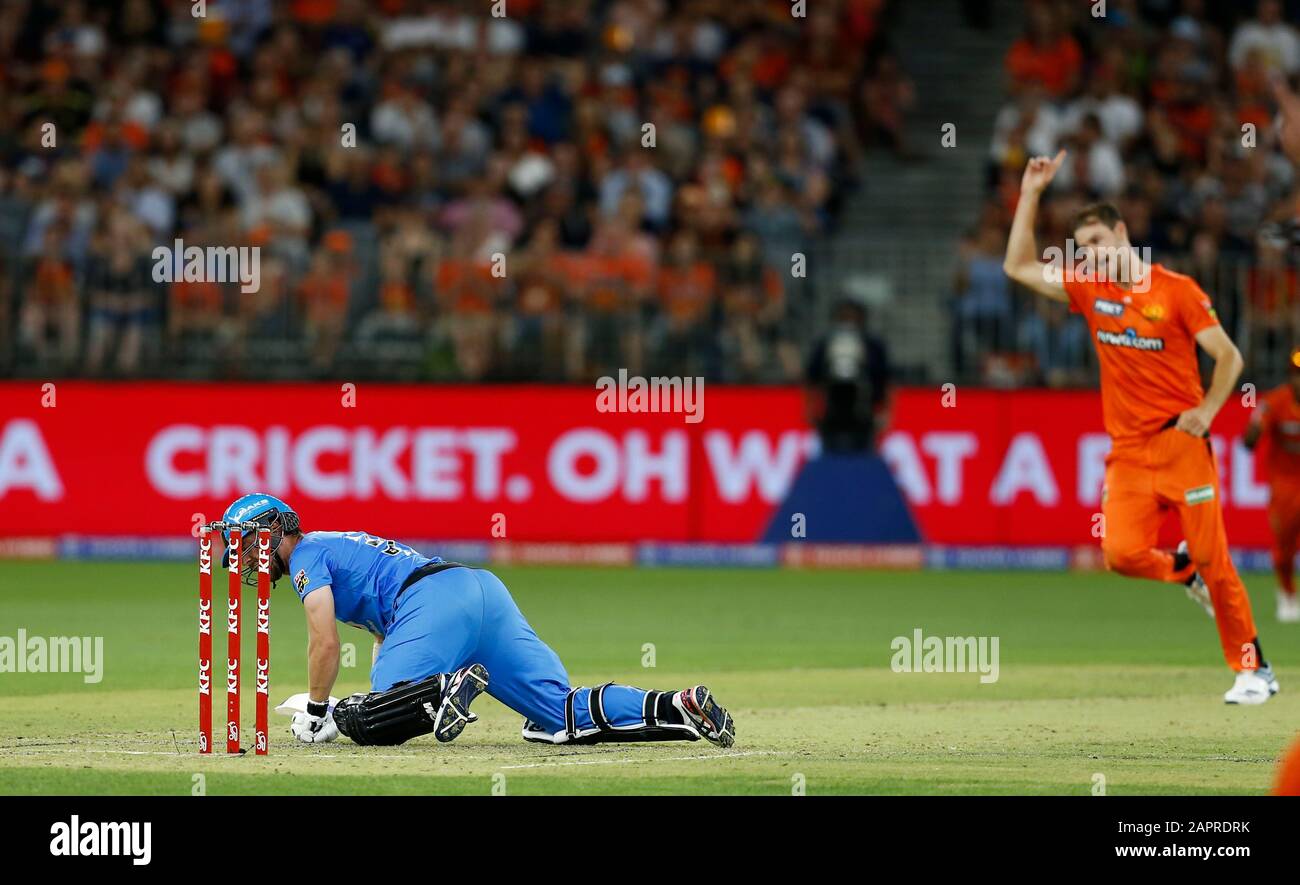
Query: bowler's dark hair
[[1105, 213]]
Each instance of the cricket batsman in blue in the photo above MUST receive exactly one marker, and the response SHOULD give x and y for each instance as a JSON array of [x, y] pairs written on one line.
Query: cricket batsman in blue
[[444, 633]]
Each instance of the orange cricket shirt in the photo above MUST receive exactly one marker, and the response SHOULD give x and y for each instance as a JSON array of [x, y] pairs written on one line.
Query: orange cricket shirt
[[1279, 416], [1146, 347]]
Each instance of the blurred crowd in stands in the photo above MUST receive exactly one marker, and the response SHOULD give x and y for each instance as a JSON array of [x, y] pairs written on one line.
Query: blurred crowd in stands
[[1166, 110], [436, 193]]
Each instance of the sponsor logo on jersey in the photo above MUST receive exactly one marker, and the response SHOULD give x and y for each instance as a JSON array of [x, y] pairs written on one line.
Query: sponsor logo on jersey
[[1109, 308], [300, 580], [1131, 339], [1199, 495]]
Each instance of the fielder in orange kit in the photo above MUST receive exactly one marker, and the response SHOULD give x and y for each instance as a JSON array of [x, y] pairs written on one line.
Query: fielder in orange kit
[[1277, 421], [1146, 323]]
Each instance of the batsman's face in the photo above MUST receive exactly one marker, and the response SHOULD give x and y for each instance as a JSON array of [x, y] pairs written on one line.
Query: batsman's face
[[248, 560]]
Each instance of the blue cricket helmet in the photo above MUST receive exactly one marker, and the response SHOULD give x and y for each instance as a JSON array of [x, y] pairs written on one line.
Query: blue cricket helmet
[[263, 509]]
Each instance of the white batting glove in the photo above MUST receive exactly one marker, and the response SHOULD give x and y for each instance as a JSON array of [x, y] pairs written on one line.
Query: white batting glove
[[314, 729]]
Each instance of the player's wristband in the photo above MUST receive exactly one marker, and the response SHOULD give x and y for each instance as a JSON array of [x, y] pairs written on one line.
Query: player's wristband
[[318, 708]]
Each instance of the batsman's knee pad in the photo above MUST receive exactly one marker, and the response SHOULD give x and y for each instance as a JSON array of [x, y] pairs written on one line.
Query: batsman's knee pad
[[388, 718], [610, 713]]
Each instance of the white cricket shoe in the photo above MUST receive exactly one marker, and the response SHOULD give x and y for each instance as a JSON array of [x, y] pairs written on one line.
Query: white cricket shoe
[[1196, 590], [1288, 608], [706, 715], [1252, 687]]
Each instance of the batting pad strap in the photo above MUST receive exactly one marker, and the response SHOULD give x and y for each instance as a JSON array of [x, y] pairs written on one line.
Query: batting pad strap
[[596, 727], [574, 724], [596, 706], [570, 726]]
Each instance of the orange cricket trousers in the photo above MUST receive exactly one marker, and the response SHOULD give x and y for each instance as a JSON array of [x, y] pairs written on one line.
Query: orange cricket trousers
[[1146, 477], [1284, 521]]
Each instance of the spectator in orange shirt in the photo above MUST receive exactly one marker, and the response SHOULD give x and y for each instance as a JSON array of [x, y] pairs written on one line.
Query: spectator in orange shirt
[[393, 334], [1045, 55], [49, 322], [466, 285], [324, 293], [1273, 290], [193, 307], [541, 332], [686, 293]]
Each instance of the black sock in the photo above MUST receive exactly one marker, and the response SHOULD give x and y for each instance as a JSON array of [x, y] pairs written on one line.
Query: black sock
[[1181, 560], [1259, 654]]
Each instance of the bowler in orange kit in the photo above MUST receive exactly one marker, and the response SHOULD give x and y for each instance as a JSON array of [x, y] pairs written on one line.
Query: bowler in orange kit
[[1146, 323], [1276, 421]]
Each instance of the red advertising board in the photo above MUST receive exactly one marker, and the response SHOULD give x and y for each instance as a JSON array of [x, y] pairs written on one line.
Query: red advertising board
[[543, 463]]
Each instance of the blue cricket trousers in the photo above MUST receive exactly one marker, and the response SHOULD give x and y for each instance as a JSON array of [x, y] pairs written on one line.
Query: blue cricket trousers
[[463, 616]]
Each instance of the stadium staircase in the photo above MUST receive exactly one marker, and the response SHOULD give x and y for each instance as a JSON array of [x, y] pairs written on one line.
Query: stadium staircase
[[897, 246]]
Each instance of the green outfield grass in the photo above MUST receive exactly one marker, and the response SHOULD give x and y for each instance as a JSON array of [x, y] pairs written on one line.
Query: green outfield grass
[[1098, 676]]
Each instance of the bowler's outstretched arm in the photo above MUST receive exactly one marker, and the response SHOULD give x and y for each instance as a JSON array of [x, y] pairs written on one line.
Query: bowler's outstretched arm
[[1022, 263]]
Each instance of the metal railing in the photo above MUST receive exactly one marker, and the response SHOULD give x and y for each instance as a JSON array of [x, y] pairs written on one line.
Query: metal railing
[[1257, 302]]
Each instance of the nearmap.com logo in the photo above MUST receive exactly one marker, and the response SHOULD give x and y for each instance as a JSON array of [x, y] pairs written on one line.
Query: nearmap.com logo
[[1130, 339]]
